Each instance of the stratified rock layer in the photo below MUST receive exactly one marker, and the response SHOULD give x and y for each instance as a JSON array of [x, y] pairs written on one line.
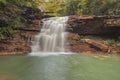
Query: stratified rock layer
[[79, 26], [95, 25], [20, 42]]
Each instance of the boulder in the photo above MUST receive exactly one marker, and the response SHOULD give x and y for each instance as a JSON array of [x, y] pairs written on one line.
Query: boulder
[[102, 47]]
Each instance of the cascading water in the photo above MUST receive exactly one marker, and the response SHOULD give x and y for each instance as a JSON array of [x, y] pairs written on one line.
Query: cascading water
[[52, 37]]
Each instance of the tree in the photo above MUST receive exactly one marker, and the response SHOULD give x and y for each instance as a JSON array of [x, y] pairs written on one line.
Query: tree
[[92, 7]]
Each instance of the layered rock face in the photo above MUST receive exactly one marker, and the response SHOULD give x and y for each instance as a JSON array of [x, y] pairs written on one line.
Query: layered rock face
[[95, 25], [105, 26], [19, 42]]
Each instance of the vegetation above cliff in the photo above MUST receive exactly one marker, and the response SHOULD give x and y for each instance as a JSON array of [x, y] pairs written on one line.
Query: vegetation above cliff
[[81, 7], [92, 7]]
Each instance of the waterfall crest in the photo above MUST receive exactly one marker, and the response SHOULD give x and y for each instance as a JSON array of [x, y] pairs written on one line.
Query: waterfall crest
[[52, 37]]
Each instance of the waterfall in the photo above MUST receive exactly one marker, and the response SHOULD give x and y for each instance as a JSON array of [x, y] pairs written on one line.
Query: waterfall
[[52, 37]]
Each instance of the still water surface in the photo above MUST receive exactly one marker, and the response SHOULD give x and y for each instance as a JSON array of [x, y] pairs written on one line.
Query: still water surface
[[60, 67]]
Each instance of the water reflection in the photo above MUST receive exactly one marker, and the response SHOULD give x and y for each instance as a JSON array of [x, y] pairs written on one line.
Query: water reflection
[[43, 68], [60, 67]]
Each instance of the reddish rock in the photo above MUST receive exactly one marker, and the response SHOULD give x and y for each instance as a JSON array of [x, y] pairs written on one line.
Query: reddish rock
[[100, 46], [83, 48], [20, 42], [77, 45], [92, 25], [114, 50]]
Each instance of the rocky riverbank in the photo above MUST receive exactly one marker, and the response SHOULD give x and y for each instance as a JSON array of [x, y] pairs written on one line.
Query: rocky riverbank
[[19, 42], [105, 28], [78, 27]]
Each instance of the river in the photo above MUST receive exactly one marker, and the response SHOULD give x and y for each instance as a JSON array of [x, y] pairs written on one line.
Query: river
[[60, 67]]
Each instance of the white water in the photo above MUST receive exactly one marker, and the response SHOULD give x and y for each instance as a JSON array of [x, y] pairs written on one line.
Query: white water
[[52, 37]]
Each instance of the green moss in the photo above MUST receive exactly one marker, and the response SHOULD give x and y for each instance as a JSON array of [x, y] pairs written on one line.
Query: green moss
[[107, 41], [110, 42], [104, 40]]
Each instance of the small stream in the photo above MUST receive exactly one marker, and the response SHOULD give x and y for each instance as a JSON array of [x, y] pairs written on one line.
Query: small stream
[[60, 67]]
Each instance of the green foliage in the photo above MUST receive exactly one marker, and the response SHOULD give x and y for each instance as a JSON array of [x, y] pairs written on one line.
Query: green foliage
[[30, 3], [110, 42], [6, 32], [82, 7], [3, 2], [71, 7], [10, 15], [91, 7], [53, 6]]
